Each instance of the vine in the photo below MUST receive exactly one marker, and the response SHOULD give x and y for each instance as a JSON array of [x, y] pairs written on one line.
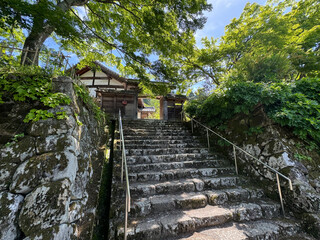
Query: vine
[[30, 84], [83, 93]]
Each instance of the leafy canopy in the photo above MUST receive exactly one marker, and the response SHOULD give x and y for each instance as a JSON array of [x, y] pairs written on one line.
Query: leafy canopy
[[280, 40], [294, 105], [139, 37]]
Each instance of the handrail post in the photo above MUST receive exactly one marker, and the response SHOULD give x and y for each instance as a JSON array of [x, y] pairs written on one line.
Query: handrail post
[[208, 138], [235, 159], [280, 194], [124, 167], [126, 218], [191, 125], [121, 147]]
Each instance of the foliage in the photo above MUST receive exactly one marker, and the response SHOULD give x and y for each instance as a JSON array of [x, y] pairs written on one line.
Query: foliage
[[83, 93], [153, 103], [29, 84], [14, 139], [295, 105], [77, 119], [277, 41], [138, 37]]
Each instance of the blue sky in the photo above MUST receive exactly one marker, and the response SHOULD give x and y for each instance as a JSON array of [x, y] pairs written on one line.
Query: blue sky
[[221, 15]]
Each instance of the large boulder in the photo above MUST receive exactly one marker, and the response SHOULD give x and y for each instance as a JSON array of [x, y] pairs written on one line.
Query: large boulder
[[18, 152], [44, 168], [46, 207], [10, 204]]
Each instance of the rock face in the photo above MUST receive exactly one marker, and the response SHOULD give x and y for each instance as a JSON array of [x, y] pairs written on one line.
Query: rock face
[[281, 150], [180, 190], [50, 177]]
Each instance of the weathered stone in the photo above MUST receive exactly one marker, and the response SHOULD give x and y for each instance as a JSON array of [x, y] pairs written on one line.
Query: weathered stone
[[176, 224], [45, 207], [6, 172], [56, 143], [252, 149], [270, 210], [44, 168], [144, 190], [19, 151], [162, 203], [237, 194], [199, 184], [148, 230], [217, 197], [52, 126], [83, 177], [10, 205], [60, 232], [75, 211], [246, 212], [209, 216], [213, 183], [188, 202], [141, 207], [280, 162], [304, 198], [312, 224], [273, 148]]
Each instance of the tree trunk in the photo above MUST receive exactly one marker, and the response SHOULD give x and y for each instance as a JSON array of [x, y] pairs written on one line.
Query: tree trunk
[[40, 31], [33, 43]]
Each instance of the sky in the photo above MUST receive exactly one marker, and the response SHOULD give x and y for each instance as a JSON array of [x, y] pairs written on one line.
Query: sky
[[221, 15]]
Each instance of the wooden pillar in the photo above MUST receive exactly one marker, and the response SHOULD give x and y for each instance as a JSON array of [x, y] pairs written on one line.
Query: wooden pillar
[[135, 106], [165, 109]]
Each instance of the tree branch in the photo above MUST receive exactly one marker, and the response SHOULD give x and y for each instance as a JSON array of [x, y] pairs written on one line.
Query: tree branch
[[121, 6], [110, 44], [94, 33]]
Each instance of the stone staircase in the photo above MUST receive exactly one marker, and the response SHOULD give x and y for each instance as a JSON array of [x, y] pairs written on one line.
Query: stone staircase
[[181, 191]]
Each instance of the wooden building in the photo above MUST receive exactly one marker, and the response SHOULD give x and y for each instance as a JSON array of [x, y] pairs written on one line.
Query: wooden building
[[116, 92]]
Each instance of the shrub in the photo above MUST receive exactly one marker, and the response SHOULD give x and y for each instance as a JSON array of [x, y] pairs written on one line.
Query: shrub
[[295, 105]]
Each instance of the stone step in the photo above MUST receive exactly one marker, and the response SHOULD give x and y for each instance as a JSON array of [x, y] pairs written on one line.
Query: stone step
[[278, 229], [159, 142], [299, 236], [181, 157], [174, 223], [151, 122], [162, 145], [162, 203], [156, 128], [161, 151], [176, 165], [167, 131], [160, 137], [174, 174], [184, 185]]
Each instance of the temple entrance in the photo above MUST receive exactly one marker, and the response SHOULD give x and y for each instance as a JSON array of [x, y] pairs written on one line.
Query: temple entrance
[[148, 108], [171, 107]]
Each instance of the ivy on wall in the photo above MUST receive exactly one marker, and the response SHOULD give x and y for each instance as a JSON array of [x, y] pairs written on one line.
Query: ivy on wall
[[30, 84], [292, 104]]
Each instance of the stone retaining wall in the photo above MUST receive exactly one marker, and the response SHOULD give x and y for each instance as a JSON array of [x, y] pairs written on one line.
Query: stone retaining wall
[[50, 178], [280, 149]]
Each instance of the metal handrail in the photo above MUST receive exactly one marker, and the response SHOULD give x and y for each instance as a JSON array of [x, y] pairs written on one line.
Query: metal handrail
[[235, 157], [124, 165]]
